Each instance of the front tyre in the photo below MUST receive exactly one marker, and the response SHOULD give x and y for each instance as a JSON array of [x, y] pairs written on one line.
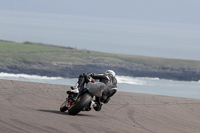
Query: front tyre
[[80, 104], [63, 107]]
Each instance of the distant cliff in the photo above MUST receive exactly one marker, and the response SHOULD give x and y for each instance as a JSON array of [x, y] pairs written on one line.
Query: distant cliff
[[50, 60], [73, 70]]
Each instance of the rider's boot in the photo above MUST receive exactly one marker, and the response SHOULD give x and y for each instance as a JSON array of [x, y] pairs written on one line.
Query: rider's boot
[[98, 105], [75, 89]]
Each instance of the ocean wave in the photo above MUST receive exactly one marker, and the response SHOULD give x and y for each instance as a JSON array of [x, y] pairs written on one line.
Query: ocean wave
[[37, 78], [26, 76], [130, 80]]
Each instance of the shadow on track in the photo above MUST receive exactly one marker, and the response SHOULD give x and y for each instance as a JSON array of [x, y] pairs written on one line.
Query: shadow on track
[[62, 113]]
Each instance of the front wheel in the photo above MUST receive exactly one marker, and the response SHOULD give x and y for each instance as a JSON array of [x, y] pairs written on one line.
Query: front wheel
[[63, 107], [80, 104]]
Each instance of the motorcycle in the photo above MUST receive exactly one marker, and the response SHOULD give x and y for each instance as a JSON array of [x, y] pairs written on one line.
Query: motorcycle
[[82, 101]]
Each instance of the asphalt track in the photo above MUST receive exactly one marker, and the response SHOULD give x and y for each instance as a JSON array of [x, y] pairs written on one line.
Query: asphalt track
[[34, 108]]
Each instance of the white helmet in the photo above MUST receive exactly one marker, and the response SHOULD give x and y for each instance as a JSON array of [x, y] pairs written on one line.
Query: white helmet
[[110, 72]]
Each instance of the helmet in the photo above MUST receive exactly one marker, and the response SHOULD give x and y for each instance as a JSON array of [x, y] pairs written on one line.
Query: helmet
[[110, 72]]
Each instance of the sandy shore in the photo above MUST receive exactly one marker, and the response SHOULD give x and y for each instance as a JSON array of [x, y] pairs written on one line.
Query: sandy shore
[[34, 108]]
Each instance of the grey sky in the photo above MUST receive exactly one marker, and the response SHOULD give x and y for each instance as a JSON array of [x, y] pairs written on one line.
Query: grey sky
[[169, 28]]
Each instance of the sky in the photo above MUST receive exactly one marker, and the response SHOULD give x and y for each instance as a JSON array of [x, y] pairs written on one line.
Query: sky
[[158, 28]]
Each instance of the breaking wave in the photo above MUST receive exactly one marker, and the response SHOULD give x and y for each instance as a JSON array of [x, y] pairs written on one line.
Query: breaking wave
[[26, 76], [135, 80], [125, 83], [60, 80]]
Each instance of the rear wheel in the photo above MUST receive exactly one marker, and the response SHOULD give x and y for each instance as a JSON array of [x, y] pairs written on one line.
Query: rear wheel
[[80, 104]]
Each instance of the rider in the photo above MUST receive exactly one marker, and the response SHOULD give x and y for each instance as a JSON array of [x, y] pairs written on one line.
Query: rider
[[108, 78]]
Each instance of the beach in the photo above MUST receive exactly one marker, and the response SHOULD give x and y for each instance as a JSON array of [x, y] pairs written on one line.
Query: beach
[[28, 107]]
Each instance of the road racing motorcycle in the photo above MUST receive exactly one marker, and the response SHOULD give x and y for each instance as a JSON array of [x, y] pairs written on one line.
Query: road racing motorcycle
[[82, 101]]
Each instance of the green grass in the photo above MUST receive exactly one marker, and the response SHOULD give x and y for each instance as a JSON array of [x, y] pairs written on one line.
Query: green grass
[[13, 52]]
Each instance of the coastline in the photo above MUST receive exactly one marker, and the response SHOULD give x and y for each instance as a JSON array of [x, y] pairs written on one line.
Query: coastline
[[126, 112], [74, 70], [67, 62]]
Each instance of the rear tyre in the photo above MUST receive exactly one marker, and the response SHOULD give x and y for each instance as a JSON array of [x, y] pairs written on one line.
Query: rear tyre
[[63, 107], [80, 104]]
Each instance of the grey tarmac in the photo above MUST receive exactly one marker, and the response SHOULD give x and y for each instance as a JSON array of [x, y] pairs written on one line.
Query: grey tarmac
[[27, 107]]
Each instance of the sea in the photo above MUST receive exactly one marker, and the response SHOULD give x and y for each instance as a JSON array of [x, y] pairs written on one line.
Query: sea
[[156, 86]]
